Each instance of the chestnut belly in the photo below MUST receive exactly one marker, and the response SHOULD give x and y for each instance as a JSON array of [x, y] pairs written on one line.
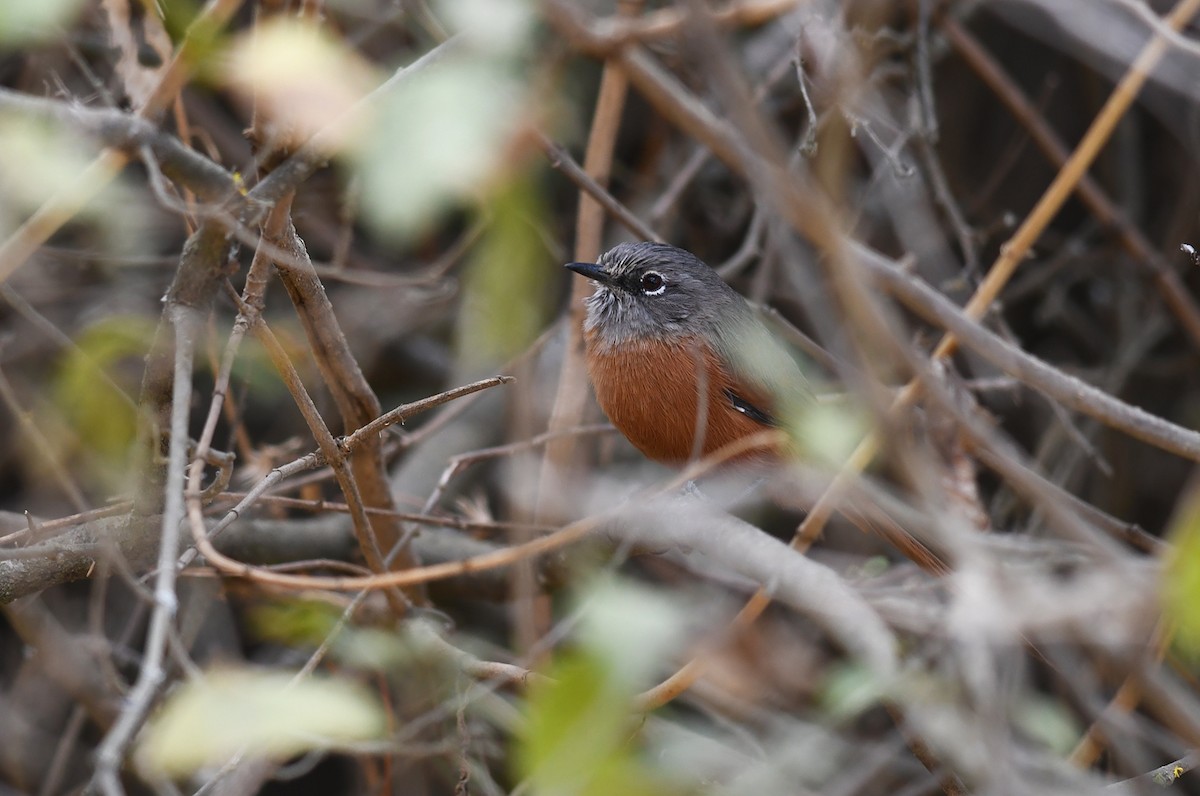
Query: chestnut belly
[[672, 400]]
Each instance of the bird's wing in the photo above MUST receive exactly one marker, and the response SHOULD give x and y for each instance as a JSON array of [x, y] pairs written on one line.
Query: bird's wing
[[765, 366], [750, 409]]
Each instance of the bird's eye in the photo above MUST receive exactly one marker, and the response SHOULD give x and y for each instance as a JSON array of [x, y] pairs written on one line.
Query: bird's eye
[[653, 284]]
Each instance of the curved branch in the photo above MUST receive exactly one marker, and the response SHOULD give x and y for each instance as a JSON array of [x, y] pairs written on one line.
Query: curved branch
[[1054, 383]]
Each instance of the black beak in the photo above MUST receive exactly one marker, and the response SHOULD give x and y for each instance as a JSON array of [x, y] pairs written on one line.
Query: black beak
[[591, 271]]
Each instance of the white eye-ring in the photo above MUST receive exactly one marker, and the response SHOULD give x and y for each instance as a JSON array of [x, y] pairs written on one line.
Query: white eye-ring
[[653, 283]]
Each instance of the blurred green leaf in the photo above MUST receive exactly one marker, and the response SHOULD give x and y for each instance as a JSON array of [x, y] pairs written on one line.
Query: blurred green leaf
[[633, 628], [40, 158], [178, 15], [259, 713], [442, 135], [874, 566], [254, 370], [577, 723], [580, 733], [827, 432], [27, 21], [294, 622], [497, 27], [439, 138], [299, 78], [102, 422], [1181, 583], [310, 623], [507, 292], [206, 41], [848, 690], [1048, 722]]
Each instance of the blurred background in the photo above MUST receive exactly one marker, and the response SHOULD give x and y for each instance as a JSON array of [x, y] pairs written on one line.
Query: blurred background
[[302, 214]]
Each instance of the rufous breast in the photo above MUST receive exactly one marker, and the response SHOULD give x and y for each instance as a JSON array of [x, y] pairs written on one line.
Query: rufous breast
[[673, 400]]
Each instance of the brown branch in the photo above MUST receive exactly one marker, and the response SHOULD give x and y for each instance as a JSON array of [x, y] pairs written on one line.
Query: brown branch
[[132, 538], [65, 657], [405, 411], [613, 33], [316, 459], [328, 446], [82, 540], [570, 399], [504, 558], [1171, 288], [263, 542], [561, 159], [1054, 383], [320, 506], [356, 402], [501, 558], [1072, 171], [66, 204], [812, 218], [130, 134]]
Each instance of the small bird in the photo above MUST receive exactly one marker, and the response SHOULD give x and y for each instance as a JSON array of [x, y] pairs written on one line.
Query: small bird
[[680, 362]]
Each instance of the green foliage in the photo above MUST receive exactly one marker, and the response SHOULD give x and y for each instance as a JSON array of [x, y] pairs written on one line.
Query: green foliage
[[874, 567], [300, 79], [178, 15], [827, 433], [506, 296], [578, 728], [40, 158], [824, 433], [580, 736], [438, 139], [28, 21], [254, 371], [1047, 721], [498, 28], [1181, 584], [100, 422], [310, 623], [441, 137], [205, 43], [257, 713], [848, 690], [581, 739], [295, 623]]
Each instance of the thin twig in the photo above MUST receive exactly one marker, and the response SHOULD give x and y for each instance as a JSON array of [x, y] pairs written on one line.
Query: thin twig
[[805, 214], [41, 445], [560, 159], [1054, 383], [1174, 293], [111, 750], [66, 204], [406, 411]]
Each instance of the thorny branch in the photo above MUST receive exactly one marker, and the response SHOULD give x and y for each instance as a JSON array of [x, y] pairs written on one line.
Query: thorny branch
[[774, 137]]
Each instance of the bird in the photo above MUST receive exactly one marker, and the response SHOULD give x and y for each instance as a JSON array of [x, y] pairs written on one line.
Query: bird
[[680, 362]]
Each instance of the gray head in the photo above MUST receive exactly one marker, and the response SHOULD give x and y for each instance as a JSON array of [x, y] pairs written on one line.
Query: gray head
[[656, 291]]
